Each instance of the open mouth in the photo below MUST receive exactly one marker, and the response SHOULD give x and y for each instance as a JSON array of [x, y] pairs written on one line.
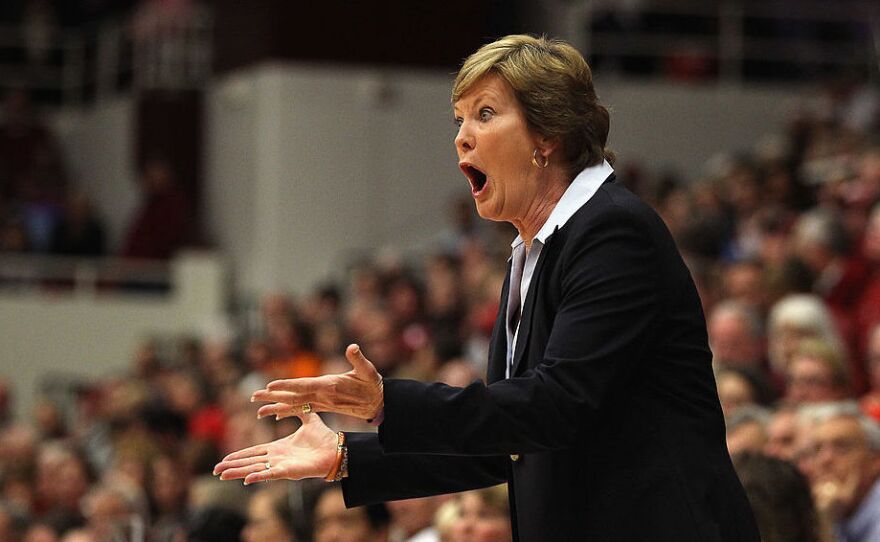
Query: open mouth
[[476, 177]]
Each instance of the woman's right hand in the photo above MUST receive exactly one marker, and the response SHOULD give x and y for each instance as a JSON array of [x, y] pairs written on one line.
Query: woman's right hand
[[310, 452]]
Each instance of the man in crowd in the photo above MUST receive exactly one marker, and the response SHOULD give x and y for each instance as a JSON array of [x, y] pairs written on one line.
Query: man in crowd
[[846, 478]]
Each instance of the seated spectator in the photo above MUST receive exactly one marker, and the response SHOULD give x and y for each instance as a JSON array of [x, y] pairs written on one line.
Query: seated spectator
[[412, 520], [31, 168], [111, 512], [868, 310], [816, 373], [738, 388], [483, 516], [162, 223], [167, 489], [782, 434], [12, 523], [793, 318], [214, 524], [735, 336], [780, 498], [745, 283], [336, 523], [79, 231], [746, 430], [846, 481], [871, 401], [40, 532], [269, 517]]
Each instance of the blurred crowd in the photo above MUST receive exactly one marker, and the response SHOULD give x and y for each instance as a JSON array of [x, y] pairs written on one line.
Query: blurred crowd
[[43, 212], [783, 241]]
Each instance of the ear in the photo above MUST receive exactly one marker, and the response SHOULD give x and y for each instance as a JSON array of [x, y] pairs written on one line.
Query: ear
[[547, 145]]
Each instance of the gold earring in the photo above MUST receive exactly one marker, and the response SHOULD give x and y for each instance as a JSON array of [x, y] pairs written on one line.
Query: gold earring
[[535, 160]]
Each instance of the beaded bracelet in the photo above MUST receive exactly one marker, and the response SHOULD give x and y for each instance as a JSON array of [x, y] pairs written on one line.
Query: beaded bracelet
[[340, 466]]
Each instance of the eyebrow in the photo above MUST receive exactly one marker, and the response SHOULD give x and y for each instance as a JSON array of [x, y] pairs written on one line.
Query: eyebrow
[[476, 98]]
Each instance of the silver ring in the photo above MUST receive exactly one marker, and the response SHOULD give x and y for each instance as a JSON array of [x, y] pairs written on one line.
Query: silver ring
[[268, 466]]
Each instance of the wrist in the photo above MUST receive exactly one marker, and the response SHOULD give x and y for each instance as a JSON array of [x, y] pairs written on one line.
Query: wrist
[[339, 469]]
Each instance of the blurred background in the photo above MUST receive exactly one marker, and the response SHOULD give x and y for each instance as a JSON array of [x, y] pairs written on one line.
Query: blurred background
[[197, 197]]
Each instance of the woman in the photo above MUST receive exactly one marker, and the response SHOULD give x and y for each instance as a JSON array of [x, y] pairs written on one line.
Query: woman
[[600, 412], [482, 516], [269, 517]]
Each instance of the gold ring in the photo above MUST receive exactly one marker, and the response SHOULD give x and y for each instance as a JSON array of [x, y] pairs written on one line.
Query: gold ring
[[306, 408]]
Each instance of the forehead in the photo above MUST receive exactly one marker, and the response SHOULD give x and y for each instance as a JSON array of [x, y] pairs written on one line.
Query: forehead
[[491, 86], [808, 363], [838, 427]]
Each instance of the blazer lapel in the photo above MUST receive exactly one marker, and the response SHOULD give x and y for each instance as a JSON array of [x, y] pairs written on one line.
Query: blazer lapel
[[525, 325], [497, 363]]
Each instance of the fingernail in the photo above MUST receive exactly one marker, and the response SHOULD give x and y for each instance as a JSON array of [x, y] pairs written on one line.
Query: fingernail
[[252, 398], [259, 416]]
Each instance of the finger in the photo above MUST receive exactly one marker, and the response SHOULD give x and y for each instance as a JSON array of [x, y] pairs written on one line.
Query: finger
[[307, 418], [242, 472], [275, 409], [298, 385], [290, 472], [253, 451], [362, 366], [236, 463], [280, 397]]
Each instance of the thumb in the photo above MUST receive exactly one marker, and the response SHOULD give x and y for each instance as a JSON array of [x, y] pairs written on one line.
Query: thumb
[[308, 418], [362, 366]]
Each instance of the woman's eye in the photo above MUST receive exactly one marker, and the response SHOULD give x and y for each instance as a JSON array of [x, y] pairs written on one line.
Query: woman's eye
[[486, 114], [458, 121]]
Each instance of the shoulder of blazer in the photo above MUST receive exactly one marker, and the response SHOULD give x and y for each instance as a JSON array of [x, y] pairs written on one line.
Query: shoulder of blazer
[[612, 205]]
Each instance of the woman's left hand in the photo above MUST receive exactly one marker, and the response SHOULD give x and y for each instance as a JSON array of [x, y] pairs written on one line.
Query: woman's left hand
[[357, 393], [307, 453]]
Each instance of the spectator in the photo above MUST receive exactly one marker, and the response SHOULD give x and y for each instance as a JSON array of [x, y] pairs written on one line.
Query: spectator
[[483, 516], [162, 224], [39, 532], [735, 336], [412, 520], [30, 161], [738, 388], [782, 434], [794, 318], [79, 232], [871, 401], [269, 517], [846, 481], [780, 498], [747, 430], [336, 523], [816, 373]]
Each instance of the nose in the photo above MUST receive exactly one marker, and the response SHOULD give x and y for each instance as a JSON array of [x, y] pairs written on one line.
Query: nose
[[464, 140]]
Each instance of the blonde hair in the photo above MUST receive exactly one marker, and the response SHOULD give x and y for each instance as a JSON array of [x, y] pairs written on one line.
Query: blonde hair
[[554, 86], [831, 357]]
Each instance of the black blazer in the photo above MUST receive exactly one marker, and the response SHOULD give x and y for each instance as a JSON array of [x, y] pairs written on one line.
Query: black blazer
[[610, 426]]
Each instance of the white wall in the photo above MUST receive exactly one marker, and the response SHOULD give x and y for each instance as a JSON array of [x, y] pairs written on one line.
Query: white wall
[[305, 165], [308, 165], [98, 148], [681, 126], [90, 336]]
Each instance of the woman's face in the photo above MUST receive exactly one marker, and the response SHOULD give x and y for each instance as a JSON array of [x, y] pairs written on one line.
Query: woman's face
[[479, 522], [263, 524], [495, 146]]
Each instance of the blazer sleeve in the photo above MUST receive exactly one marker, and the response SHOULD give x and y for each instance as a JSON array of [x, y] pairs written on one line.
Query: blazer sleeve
[[375, 476], [605, 320]]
